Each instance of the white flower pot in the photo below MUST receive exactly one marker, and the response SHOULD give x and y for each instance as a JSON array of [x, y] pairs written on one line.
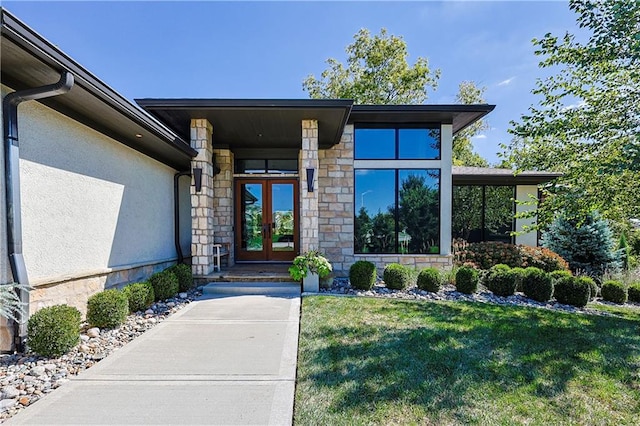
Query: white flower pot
[[311, 283]]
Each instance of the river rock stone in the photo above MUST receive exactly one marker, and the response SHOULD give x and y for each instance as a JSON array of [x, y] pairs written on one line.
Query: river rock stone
[[93, 332]]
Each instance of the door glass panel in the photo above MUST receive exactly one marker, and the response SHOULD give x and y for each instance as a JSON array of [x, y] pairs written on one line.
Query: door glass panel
[[282, 236], [251, 216]]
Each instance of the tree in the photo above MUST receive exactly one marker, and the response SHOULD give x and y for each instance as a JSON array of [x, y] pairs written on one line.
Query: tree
[[586, 244], [463, 154], [418, 213], [587, 124], [377, 72]]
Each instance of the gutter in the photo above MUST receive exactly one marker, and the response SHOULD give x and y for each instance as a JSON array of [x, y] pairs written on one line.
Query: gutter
[[12, 184]]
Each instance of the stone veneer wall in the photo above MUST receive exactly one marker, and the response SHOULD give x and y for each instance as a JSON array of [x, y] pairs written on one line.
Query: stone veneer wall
[[309, 235], [202, 210], [223, 200], [336, 202], [77, 290], [336, 183]]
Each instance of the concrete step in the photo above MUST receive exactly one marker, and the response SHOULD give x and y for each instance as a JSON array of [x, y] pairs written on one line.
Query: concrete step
[[251, 287]]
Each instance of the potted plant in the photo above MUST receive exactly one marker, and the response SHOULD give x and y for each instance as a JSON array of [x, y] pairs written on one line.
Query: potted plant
[[310, 267]]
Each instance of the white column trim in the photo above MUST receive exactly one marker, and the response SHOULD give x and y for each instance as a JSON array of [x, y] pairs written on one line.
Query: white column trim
[[446, 187]]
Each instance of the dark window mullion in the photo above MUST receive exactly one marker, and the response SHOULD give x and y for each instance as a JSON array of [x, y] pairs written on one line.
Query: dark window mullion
[[483, 213], [396, 210]]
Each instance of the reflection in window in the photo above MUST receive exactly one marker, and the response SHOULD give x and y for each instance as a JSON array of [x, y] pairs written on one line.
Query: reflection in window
[[410, 226], [403, 143], [483, 213], [418, 144]]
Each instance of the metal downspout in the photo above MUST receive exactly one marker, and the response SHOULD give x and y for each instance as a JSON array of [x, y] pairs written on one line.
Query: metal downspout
[[176, 214], [12, 182]]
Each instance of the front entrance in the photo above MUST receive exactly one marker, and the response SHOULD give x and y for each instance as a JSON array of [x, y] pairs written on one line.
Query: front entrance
[[266, 219]]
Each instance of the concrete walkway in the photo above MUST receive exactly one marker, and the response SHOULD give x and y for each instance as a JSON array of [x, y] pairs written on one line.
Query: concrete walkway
[[220, 361]]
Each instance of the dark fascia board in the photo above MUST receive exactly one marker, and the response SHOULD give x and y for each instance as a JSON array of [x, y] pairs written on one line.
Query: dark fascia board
[[38, 46], [188, 103], [445, 113]]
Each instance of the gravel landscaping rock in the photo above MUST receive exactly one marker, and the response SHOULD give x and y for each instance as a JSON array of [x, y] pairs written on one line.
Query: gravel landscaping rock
[[25, 377]]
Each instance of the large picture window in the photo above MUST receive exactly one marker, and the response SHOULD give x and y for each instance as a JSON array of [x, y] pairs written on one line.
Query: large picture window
[[483, 213], [397, 211], [397, 143]]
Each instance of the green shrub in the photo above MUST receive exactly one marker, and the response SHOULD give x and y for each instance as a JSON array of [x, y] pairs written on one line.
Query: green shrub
[[556, 275], [362, 275], [53, 331], [140, 296], [537, 284], [593, 287], [107, 309], [634, 292], [396, 276], [517, 274], [184, 275], [467, 280], [572, 291], [500, 281], [430, 279], [614, 291], [165, 285]]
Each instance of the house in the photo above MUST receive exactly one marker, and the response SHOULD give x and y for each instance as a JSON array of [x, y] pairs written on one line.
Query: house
[[101, 192]]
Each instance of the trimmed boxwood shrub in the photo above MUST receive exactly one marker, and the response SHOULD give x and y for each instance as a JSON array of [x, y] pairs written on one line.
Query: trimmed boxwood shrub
[[517, 274], [430, 279], [54, 330], [467, 280], [165, 285], [556, 275], [362, 275], [537, 284], [614, 291], [634, 292], [396, 276], [184, 275], [107, 309], [500, 281], [572, 291], [140, 296], [593, 287]]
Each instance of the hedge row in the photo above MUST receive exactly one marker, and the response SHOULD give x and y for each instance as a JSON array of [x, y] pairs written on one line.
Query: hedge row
[[54, 330]]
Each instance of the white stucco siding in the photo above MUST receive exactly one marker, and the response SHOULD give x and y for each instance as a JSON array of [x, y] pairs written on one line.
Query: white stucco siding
[[524, 193], [89, 203], [184, 186]]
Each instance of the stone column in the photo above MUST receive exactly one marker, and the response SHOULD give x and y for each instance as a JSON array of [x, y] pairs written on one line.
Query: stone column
[[202, 202], [309, 200], [223, 200], [446, 187]]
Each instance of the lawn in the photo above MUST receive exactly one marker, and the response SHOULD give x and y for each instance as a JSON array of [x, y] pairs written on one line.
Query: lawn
[[381, 361]]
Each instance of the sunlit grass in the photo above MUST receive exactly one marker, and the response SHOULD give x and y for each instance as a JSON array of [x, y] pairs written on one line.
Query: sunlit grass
[[377, 361]]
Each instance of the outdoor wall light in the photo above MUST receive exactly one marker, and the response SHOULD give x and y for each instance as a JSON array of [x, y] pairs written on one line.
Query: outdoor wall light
[[197, 179], [310, 173]]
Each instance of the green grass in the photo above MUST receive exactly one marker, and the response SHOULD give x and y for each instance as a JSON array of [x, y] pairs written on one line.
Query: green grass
[[381, 361]]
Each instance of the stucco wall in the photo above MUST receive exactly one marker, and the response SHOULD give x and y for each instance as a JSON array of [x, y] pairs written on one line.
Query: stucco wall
[[89, 203], [524, 193]]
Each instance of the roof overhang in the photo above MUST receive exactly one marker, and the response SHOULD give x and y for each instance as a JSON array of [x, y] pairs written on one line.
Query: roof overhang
[[255, 124], [29, 60], [491, 176], [460, 116]]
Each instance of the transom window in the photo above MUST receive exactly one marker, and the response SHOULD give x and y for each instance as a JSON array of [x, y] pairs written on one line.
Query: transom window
[[483, 213], [281, 167], [406, 142]]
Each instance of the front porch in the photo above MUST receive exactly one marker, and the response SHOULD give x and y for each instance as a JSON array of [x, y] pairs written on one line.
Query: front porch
[[247, 272]]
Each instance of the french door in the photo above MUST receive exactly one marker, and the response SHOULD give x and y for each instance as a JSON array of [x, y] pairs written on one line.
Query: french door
[[266, 219]]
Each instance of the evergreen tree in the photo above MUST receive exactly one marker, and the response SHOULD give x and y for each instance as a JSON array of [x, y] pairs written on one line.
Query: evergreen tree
[[587, 246]]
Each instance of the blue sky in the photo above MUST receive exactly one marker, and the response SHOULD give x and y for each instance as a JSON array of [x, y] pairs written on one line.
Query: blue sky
[[265, 49]]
